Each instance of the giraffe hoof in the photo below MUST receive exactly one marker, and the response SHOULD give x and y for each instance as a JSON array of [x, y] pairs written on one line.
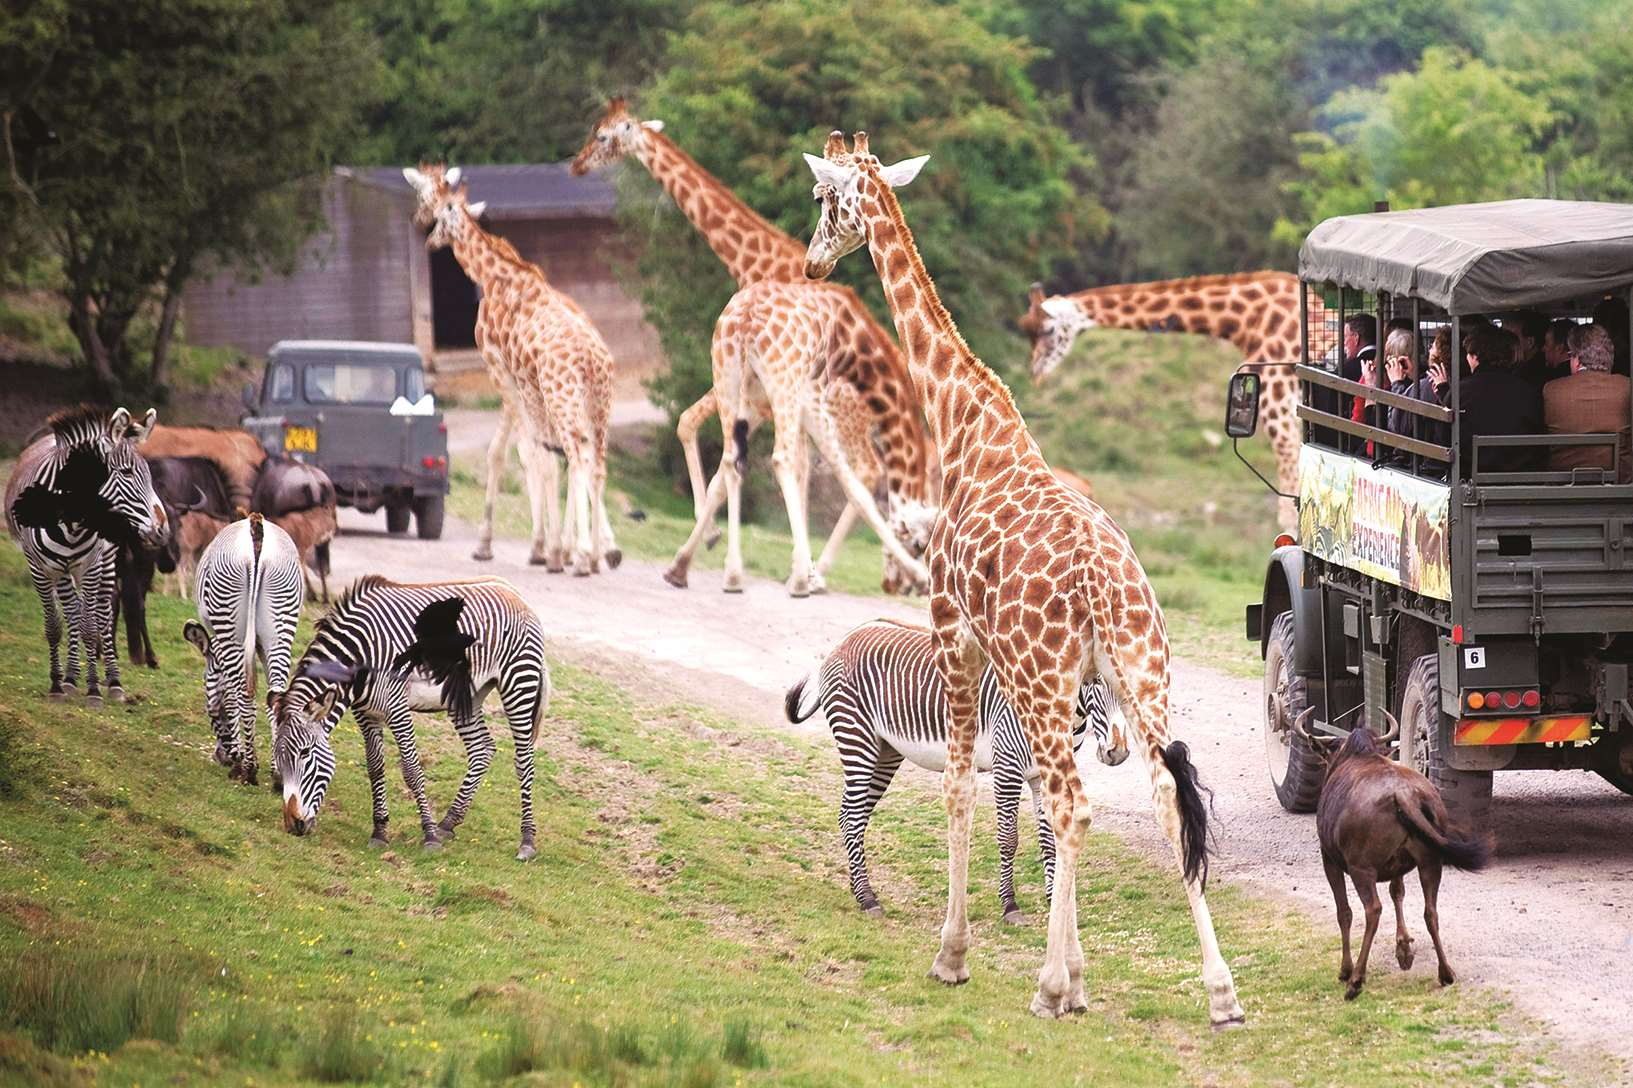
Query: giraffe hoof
[[615, 558], [1049, 1008], [712, 539], [1015, 917], [1230, 1024], [951, 974], [732, 584], [799, 590], [676, 577], [527, 853], [482, 554]]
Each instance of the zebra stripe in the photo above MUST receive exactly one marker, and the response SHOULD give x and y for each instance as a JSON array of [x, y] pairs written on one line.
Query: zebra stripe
[[884, 702], [249, 586], [349, 665], [70, 564]]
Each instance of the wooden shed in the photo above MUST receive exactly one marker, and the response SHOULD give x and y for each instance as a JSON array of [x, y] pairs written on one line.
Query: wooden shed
[[368, 275]]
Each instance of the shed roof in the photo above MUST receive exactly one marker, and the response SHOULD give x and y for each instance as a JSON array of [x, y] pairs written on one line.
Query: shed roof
[[1475, 258], [543, 190]]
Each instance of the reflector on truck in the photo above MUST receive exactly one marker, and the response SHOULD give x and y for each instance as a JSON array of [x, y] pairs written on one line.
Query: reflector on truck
[[1522, 730]]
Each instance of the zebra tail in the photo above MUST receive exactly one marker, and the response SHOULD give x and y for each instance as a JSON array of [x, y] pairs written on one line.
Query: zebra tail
[[541, 703], [256, 531], [804, 697]]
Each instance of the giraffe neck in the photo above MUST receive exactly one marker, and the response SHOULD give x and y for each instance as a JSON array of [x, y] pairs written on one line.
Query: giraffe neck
[[1256, 312], [488, 259], [972, 417], [752, 249]]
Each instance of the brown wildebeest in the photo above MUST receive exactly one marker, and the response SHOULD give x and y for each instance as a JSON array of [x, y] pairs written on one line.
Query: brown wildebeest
[[1378, 820]]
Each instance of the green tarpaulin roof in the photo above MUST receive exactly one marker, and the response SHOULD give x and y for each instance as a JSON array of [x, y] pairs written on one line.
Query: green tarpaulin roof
[[1476, 258]]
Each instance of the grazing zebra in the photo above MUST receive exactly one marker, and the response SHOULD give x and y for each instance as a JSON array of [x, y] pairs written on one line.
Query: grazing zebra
[[76, 495], [248, 588], [388, 648], [884, 702]]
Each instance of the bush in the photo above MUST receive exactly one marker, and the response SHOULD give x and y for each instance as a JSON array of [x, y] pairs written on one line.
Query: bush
[[342, 1052], [742, 1045], [73, 1002]]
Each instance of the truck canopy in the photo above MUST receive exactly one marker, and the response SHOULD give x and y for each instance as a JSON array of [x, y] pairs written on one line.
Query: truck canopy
[[1477, 258]]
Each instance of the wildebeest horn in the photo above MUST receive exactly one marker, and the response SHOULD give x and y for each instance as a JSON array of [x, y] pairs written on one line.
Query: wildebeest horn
[[189, 507], [1301, 724], [1394, 729]]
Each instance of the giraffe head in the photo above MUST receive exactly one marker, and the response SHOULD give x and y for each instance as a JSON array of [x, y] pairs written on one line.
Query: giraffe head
[[1052, 323], [617, 134], [441, 203], [911, 520], [843, 181]]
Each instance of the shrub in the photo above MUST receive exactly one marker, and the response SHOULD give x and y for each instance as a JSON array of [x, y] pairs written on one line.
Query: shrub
[[342, 1052], [74, 1002]]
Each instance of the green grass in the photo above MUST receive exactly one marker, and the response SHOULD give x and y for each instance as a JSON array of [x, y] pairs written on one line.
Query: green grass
[[767, 545], [686, 922]]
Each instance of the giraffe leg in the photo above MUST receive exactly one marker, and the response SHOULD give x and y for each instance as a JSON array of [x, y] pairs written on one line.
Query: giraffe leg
[[836, 539], [606, 548], [497, 446], [1006, 795], [959, 660], [676, 575], [1403, 940], [824, 433], [555, 548], [863, 458], [578, 508], [686, 431], [786, 461], [47, 593], [732, 582]]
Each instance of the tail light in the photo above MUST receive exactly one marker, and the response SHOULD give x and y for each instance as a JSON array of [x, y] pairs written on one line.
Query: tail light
[[1457, 634], [1511, 700], [435, 464], [442, 428], [1285, 539], [1494, 699], [1476, 700], [1532, 698]]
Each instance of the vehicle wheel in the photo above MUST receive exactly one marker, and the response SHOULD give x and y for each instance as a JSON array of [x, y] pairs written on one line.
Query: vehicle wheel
[[1617, 779], [1467, 793], [428, 516], [1296, 769], [397, 519]]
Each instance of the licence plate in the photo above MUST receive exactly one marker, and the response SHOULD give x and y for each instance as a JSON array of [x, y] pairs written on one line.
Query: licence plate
[[301, 439]]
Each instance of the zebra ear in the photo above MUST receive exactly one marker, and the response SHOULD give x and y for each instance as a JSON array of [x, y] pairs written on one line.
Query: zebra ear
[[318, 709], [194, 632], [119, 424], [139, 431]]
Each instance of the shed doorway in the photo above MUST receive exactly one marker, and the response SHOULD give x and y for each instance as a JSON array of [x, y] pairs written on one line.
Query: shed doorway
[[454, 299]]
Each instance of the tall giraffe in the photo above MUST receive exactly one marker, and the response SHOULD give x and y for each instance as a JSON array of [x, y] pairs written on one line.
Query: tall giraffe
[[552, 369], [753, 251], [1028, 575], [1256, 312]]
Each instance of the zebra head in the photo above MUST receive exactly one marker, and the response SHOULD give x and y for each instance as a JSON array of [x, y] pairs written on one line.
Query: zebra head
[[1097, 709], [223, 718], [301, 720], [95, 481]]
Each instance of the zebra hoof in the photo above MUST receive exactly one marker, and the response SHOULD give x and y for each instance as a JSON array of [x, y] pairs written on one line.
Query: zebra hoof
[[116, 694], [1015, 917], [527, 852], [56, 696], [875, 911], [377, 842], [445, 833], [93, 702], [432, 844], [614, 559]]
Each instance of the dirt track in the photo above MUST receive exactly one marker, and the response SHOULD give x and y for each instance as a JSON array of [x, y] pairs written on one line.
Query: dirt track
[[1551, 924]]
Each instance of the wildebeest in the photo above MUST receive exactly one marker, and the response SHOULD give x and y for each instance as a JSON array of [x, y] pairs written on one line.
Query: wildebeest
[[194, 496], [236, 454], [300, 500], [1378, 820]]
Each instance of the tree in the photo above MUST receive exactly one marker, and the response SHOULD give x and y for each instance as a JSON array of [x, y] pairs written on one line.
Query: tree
[[177, 133], [506, 80], [750, 87], [1455, 131]]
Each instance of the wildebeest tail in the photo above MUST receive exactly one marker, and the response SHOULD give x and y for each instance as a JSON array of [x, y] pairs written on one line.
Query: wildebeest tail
[[1460, 851], [739, 438], [804, 697], [1194, 846]]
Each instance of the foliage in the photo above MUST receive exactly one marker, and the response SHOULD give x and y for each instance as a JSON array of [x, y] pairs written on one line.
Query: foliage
[[1454, 131], [750, 87], [72, 1002], [505, 80], [343, 1050], [168, 135]]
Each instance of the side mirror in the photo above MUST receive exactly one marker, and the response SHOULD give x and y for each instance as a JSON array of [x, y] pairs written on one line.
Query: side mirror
[[248, 398], [1242, 405]]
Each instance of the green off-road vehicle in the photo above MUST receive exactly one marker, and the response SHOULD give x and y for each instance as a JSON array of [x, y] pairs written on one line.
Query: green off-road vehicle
[[1484, 617], [359, 411]]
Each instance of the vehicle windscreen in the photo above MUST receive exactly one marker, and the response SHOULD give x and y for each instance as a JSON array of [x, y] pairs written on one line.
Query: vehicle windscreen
[[348, 383]]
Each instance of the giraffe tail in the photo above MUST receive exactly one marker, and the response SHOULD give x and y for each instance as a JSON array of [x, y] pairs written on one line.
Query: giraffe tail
[[739, 439], [804, 697], [1195, 846]]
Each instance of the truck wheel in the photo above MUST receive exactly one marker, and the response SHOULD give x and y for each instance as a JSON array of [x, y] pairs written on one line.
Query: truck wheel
[[1467, 793], [1617, 779], [397, 519], [1296, 769], [428, 516]]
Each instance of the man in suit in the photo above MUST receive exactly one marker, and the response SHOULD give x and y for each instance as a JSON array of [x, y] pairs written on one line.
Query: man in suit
[[1497, 399], [1591, 401]]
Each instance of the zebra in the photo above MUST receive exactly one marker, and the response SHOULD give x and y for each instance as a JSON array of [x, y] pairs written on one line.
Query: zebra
[[248, 586], [884, 701], [76, 495], [385, 649]]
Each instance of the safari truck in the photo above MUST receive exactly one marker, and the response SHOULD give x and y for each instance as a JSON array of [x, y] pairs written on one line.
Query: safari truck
[[359, 411], [1449, 590]]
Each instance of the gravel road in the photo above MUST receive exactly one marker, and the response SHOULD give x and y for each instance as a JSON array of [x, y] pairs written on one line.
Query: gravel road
[[1549, 924]]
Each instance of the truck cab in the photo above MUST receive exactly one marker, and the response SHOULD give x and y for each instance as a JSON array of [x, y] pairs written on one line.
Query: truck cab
[[1460, 588], [359, 411]]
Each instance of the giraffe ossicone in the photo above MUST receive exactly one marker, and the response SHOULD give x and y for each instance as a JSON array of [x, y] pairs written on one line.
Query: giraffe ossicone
[[1032, 577]]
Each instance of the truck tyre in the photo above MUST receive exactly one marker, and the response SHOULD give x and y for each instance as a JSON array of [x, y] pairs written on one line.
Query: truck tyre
[[1296, 769], [396, 519], [1617, 779], [428, 516], [1467, 793]]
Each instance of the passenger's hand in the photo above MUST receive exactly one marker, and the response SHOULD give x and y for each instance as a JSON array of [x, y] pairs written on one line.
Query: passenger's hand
[[1437, 372]]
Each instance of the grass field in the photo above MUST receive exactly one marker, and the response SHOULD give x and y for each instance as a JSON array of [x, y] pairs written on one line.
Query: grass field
[[686, 923]]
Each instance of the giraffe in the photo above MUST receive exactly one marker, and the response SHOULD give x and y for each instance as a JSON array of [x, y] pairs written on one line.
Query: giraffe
[[768, 355], [865, 357], [552, 370], [1256, 312], [1027, 575]]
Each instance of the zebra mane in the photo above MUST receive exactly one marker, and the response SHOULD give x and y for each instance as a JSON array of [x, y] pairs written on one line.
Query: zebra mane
[[80, 423], [347, 600]]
